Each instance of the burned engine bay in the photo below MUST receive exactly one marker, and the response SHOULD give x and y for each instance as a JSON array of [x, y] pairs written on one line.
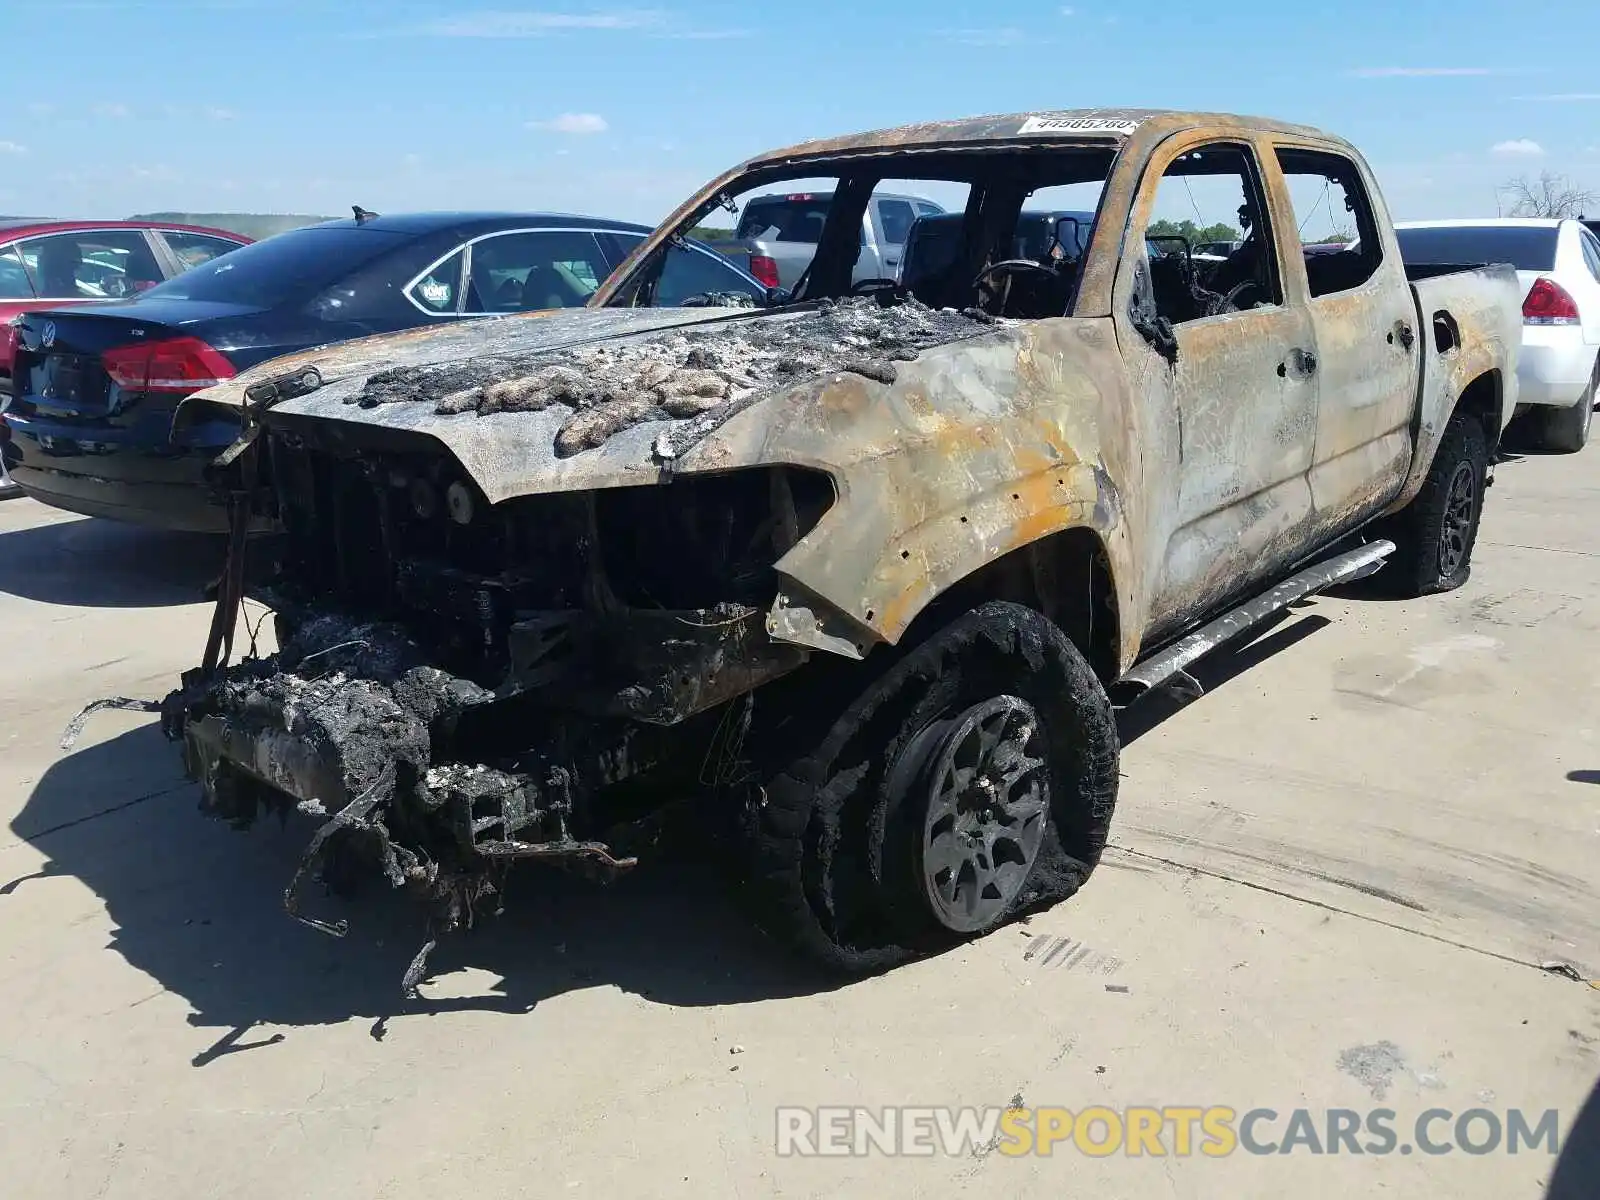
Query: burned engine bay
[[461, 684]]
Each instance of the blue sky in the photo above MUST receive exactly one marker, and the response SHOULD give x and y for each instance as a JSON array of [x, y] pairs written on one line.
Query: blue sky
[[109, 107]]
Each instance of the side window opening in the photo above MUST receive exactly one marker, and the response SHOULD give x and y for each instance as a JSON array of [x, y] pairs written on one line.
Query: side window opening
[[14, 282], [195, 249], [1591, 253], [90, 265], [1338, 234], [534, 271], [895, 217], [439, 291], [1211, 196], [693, 277]]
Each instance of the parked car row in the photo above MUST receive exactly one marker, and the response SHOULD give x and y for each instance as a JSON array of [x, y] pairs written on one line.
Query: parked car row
[[90, 426], [110, 324]]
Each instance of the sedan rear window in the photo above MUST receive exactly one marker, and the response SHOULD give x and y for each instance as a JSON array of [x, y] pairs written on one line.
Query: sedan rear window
[[1525, 247], [795, 218], [283, 269]]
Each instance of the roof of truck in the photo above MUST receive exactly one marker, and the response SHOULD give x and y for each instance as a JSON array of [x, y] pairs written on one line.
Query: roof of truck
[[1111, 125]]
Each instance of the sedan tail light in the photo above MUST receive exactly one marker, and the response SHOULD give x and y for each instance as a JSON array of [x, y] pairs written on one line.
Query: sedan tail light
[[765, 270], [1549, 303], [183, 364]]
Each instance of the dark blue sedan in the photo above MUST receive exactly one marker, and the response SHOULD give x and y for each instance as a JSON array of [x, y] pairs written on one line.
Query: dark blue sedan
[[90, 426]]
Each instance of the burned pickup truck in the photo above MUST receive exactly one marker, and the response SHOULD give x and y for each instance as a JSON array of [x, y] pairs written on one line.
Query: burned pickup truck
[[850, 583]]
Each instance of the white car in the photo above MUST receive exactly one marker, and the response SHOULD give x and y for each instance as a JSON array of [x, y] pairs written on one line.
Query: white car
[[1558, 263]]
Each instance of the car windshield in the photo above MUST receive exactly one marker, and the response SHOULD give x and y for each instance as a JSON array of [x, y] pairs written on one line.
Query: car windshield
[[281, 270], [1525, 247]]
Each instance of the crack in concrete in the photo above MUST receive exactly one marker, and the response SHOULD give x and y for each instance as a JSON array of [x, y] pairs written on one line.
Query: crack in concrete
[[1332, 908]]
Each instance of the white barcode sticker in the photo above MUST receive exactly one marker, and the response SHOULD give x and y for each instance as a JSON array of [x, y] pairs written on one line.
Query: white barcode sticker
[[1071, 125]]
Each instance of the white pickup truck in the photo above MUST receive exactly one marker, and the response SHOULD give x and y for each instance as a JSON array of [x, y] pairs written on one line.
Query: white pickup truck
[[777, 234]]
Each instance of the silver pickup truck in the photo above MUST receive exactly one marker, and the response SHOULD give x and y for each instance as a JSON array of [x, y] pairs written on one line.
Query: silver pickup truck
[[777, 234], [849, 585]]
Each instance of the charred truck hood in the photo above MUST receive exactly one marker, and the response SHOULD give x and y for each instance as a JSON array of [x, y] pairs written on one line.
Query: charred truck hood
[[590, 401]]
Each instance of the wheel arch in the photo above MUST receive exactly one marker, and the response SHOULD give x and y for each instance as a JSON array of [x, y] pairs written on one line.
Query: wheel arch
[[1067, 576], [1481, 396], [1484, 398]]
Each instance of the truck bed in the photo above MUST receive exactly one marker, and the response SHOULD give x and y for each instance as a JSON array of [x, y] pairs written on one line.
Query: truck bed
[[1469, 324]]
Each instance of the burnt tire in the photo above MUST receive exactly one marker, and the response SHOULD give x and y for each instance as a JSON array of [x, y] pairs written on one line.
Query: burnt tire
[[1566, 430], [1434, 535], [835, 830]]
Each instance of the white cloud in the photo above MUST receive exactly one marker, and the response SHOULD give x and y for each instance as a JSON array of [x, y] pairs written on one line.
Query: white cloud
[[1069, 12], [12, 148], [1518, 148], [1423, 72], [575, 123], [496, 23], [221, 114], [115, 112], [1564, 97], [40, 108]]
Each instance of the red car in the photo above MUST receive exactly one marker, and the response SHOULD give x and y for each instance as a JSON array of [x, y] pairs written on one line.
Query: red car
[[54, 264]]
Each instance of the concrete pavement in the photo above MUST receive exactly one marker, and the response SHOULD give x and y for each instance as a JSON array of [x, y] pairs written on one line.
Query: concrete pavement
[[1333, 883]]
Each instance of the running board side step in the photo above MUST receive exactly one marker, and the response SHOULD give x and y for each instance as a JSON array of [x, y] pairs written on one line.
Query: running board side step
[[1171, 663]]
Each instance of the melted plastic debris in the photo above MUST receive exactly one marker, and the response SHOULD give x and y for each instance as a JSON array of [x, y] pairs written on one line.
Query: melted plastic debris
[[703, 375], [360, 692]]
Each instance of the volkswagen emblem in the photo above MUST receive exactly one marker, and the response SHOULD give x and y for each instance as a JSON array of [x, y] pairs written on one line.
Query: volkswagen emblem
[[47, 335]]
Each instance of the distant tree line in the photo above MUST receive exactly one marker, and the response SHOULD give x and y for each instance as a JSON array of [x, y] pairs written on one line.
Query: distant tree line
[[1194, 234]]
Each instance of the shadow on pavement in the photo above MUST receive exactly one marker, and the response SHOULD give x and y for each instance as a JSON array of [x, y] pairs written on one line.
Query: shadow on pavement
[[1577, 1173], [199, 908], [106, 564], [1583, 777], [1218, 668]]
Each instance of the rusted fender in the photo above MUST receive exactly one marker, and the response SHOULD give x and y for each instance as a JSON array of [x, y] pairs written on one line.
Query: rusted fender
[[976, 449], [1486, 310]]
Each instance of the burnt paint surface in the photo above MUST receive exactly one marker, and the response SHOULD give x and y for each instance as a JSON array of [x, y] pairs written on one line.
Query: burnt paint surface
[[1193, 478]]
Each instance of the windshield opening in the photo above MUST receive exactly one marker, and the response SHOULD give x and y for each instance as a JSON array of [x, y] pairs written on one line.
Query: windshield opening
[[1003, 230]]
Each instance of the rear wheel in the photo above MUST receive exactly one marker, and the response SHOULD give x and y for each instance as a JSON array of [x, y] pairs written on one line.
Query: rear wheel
[[972, 781], [1566, 430], [1434, 534]]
